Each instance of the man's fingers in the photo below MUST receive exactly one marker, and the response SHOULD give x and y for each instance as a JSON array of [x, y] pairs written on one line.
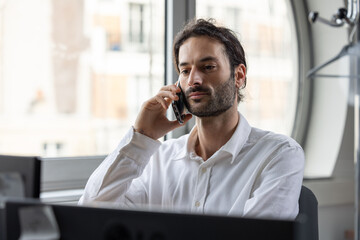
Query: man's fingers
[[167, 94], [172, 88], [152, 119], [162, 101], [165, 98]]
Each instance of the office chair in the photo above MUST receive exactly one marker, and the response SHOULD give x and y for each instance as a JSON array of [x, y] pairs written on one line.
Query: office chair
[[308, 215]]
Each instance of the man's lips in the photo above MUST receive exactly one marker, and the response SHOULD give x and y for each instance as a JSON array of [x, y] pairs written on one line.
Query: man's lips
[[197, 95]]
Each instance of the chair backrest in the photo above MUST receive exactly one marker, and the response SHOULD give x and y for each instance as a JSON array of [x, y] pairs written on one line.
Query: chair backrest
[[308, 215]]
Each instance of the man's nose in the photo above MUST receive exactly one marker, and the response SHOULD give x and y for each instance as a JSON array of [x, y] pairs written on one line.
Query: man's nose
[[195, 77]]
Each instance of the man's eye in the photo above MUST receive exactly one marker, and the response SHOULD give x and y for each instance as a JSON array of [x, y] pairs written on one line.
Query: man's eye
[[185, 71], [209, 67]]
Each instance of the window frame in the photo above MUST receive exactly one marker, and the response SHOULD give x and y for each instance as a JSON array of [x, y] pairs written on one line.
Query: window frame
[[305, 63]]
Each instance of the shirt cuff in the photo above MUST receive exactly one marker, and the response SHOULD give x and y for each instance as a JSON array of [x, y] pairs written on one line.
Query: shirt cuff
[[139, 147]]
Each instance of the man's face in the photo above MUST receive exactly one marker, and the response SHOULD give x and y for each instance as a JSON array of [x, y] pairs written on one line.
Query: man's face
[[205, 77]]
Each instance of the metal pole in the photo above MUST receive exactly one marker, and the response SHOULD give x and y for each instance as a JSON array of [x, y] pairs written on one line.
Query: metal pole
[[357, 135], [356, 152]]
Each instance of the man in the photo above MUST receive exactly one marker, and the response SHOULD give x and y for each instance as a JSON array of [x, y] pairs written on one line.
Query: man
[[223, 166]]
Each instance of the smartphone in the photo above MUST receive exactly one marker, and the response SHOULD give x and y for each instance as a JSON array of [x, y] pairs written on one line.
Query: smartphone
[[179, 106]]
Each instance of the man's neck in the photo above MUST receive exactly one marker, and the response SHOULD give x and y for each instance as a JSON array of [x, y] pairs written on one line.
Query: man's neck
[[214, 132]]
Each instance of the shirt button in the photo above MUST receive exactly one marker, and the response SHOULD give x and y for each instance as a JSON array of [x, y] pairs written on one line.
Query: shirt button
[[203, 170], [197, 204]]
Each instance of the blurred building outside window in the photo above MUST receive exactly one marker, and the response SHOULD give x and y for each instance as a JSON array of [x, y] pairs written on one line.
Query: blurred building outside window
[[266, 30], [74, 73]]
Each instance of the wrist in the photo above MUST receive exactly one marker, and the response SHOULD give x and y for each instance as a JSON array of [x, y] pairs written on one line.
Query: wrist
[[143, 132]]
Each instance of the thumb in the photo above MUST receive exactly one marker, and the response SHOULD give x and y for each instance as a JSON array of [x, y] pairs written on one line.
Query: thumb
[[175, 124], [187, 117]]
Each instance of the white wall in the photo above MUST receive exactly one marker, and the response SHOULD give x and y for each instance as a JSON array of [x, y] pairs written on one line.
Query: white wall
[[334, 221]]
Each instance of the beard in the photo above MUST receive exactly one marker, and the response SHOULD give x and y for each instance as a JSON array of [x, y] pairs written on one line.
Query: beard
[[221, 99]]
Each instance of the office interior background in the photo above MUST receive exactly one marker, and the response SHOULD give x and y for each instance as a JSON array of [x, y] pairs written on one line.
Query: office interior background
[[74, 73]]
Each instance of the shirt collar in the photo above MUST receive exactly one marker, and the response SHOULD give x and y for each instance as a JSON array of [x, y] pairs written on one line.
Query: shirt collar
[[238, 139], [188, 146], [233, 146]]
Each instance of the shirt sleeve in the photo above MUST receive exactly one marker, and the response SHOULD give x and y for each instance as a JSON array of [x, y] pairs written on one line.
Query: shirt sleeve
[[111, 181], [277, 189]]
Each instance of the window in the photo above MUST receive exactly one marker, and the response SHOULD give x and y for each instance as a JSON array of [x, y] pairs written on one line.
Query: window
[[73, 75], [136, 23], [265, 28]]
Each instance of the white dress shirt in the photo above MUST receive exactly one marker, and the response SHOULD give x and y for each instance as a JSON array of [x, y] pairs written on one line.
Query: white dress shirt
[[255, 174]]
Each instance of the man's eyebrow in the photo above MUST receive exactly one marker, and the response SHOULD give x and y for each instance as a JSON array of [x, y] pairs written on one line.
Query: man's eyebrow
[[204, 59], [183, 64], [209, 58]]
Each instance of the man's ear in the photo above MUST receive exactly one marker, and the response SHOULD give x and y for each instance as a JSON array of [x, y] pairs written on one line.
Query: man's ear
[[240, 75]]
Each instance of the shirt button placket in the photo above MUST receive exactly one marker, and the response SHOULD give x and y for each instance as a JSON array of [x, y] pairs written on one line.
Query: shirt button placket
[[201, 189]]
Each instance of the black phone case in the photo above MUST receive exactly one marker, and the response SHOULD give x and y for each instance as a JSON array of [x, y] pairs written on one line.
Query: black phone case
[[179, 106]]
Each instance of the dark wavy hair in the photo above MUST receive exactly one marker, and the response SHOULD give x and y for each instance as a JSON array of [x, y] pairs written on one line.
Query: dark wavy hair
[[201, 27]]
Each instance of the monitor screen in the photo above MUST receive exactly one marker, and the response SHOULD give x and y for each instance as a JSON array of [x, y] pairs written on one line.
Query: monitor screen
[[19, 177], [84, 222], [28, 168]]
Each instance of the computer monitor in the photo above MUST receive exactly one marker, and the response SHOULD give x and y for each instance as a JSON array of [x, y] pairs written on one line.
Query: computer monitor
[[29, 170], [80, 222]]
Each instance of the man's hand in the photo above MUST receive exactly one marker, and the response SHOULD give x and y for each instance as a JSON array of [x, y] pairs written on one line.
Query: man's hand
[[152, 120]]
